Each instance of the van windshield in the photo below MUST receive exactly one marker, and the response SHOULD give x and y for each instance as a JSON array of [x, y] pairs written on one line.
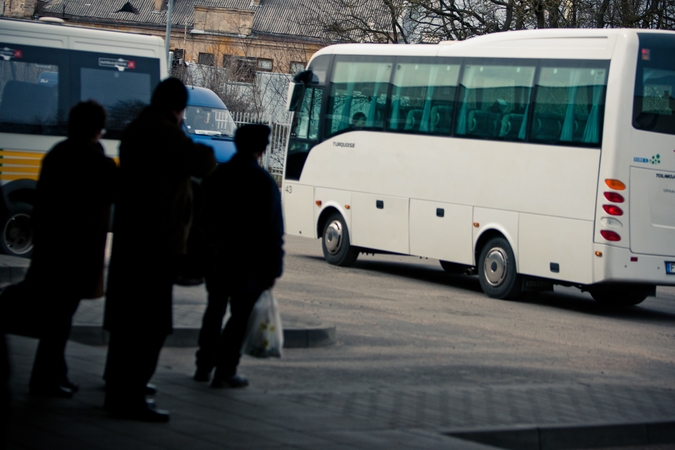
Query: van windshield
[[209, 121]]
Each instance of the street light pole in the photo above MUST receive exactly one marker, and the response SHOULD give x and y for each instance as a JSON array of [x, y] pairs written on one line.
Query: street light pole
[[168, 33]]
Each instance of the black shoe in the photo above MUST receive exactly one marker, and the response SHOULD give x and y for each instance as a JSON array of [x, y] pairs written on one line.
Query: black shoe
[[147, 413], [56, 390], [70, 385], [202, 375], [150, 389], [234, 381]]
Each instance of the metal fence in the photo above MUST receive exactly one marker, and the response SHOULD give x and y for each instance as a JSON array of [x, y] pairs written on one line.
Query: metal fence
[[273, 160]]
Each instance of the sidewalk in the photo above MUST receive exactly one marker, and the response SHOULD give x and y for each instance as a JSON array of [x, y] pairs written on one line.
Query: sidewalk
[[530, 415]]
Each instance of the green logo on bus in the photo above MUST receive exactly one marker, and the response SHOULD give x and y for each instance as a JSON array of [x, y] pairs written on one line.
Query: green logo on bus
[[656, 159]]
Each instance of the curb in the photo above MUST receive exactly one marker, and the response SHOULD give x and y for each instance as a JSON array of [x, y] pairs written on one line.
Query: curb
[[560, 437], [321, 335]]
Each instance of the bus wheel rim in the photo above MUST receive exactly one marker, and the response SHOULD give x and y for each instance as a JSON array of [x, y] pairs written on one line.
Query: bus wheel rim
[[17, 234], [333, 237], [495, 266]]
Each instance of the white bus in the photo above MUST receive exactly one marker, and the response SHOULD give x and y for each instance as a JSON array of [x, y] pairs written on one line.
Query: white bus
[[46, 68], [531, 158]]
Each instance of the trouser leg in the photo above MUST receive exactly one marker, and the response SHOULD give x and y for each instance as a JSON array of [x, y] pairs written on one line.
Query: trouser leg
[[209, 334], [49, 367], [132, 360], [241, 305]]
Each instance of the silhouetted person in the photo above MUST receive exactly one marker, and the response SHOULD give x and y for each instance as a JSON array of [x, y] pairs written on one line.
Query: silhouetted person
[[71, 217], [153, 215], [241, 219]]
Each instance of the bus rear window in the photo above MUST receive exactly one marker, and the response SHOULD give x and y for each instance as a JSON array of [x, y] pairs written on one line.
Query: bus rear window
[[653, 104]]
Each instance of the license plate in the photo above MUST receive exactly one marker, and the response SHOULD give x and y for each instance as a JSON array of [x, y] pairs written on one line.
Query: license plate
[[670, 267]]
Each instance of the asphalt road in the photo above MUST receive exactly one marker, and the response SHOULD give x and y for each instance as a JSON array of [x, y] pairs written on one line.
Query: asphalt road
[[402, 322]]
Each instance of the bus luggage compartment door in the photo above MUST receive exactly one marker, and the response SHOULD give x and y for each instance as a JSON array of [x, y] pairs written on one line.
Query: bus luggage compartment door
[[652, 211]]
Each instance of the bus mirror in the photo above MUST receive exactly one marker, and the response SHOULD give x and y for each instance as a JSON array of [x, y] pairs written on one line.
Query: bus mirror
[[295, 91], [305, 77]]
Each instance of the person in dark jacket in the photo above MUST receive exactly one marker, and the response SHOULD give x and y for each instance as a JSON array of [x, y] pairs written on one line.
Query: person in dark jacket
[[71, 217], [241, 219], [153, 215]]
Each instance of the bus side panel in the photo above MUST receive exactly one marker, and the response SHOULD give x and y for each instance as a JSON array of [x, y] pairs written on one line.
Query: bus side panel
[[441, 230], [298, 205], [505, 222], [380, 222], [334, 199], [548, 244]]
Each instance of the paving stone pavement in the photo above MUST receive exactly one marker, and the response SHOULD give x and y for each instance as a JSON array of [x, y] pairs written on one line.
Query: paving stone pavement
[[428, 417]]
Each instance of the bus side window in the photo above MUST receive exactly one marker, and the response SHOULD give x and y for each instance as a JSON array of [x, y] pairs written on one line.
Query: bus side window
[[29, 102], [357, 86], [569, 104], [493, 101]]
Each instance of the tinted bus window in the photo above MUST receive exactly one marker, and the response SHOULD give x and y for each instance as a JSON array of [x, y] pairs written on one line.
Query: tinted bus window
[[653, 104], [122, 84], [423, 96], [29, 90], [493, 99], [570, 103], [358, 95]]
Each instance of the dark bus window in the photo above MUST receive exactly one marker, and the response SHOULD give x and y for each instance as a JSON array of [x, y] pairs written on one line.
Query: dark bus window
[[569, 105], [493, 99], [358, 94], [422, 97], [653, 103], [304, 133], [30, 93], [122, 84]]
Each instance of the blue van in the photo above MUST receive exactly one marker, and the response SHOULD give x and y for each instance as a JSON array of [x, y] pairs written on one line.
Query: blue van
[[208, 121]]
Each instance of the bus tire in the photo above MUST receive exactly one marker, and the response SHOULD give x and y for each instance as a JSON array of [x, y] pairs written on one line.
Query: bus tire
[[497, 270], [337, 249], [617, 296], [453, 268], [17, 231]]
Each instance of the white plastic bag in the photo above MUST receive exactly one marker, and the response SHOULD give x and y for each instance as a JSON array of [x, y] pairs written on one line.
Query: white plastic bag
[[264, 335]]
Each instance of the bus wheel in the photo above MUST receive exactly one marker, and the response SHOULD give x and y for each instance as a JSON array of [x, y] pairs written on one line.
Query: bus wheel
[[17, 232], [497, 270], [451, 267], [335, 242], [618, 296]]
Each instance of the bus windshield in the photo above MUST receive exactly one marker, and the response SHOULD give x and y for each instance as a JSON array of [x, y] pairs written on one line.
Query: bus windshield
[[654, 104], [209, 121]]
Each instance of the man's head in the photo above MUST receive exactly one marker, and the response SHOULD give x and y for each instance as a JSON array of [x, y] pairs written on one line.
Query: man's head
[[86, 121], [170, 95], [252, 139]]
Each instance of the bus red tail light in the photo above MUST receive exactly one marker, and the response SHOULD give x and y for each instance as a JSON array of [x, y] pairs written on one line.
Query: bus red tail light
[[613, 210], [614, 197], [610, 235]]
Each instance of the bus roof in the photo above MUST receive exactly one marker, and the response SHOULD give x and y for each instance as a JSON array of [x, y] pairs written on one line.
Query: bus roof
[[578, 43]]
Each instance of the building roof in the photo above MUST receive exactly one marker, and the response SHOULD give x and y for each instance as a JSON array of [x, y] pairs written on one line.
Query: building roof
[[282, 18]]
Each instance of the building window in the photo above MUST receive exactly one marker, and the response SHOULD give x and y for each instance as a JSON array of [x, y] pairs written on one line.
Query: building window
[[206, 59], [240, 69], [296, 67], [264, 65], [178, 56]]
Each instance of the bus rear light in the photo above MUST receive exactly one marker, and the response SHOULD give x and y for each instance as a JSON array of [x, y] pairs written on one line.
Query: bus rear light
[[610, 235], [614, 197], [615, 184], [613, 210]]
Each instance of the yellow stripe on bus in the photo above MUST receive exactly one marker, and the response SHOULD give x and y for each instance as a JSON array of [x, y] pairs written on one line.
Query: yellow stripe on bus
[[20, 161], [10, 177], [19, 169], [13, 153]]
